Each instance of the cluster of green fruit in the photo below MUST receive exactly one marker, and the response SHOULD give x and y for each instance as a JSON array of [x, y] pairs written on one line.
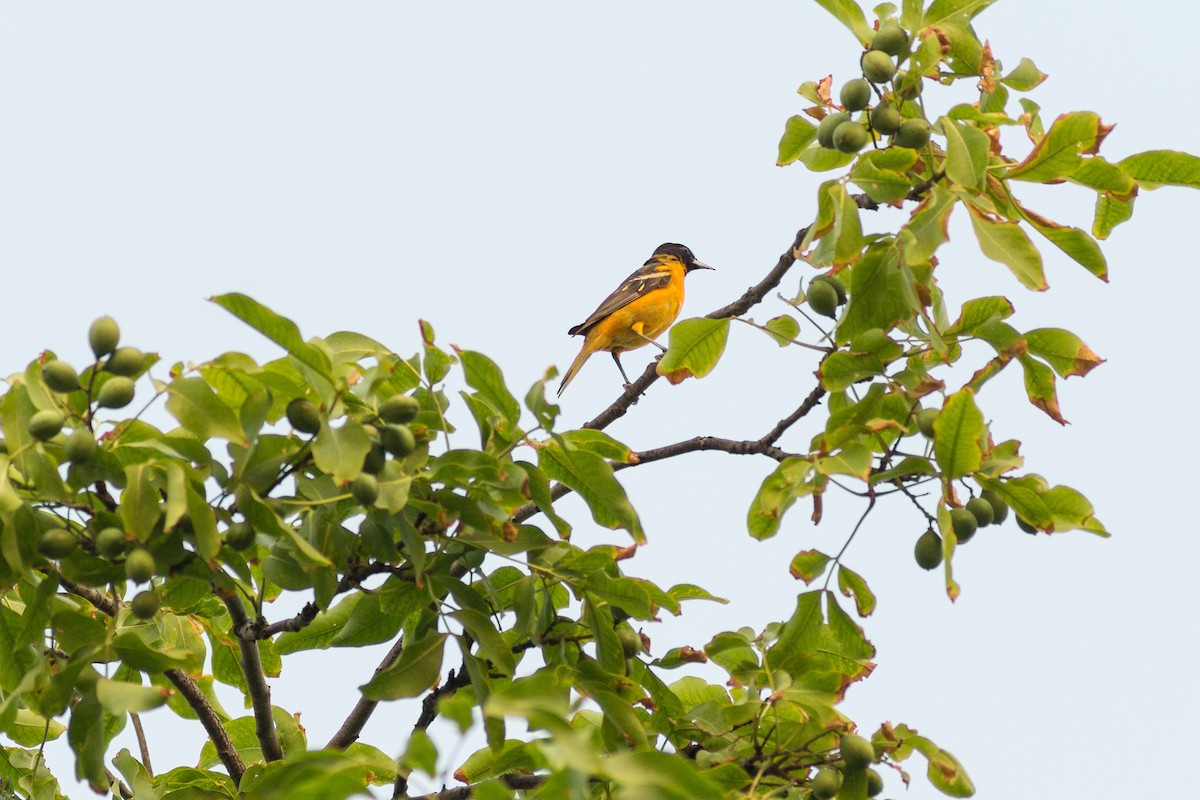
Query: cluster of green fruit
[[57, 543], [856, 755], [391, 437], [118, 366], [840, 131], [825, 294]]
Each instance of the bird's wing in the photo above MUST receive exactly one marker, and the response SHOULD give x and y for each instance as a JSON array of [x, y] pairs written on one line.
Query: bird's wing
[[645, 280]]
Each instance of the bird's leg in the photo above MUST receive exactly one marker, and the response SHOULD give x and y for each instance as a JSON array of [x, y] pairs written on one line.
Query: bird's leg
[[616, 354], [651, 341]]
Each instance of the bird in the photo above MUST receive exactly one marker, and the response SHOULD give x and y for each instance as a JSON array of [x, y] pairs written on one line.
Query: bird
[[642, 307]]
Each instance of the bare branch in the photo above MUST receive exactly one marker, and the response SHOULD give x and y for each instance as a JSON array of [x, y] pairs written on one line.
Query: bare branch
[[252, 669], [141, 740], [515, 782], [211, 722], [364, 708]]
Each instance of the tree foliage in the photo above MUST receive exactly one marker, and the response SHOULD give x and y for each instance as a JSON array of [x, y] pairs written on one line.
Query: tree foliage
[[142, 563]]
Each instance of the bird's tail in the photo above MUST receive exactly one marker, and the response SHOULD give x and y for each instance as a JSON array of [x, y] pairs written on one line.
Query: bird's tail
[[579, 361]]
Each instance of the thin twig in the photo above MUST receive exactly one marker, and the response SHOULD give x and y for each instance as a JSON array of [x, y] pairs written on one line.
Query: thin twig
[[348, 733], [515, 782], [252, 670], [141, 740]]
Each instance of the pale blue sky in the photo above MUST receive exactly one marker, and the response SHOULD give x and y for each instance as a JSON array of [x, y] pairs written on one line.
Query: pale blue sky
[[496, 169]]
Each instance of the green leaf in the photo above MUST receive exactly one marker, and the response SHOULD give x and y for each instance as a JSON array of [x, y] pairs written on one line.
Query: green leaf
[[136, 776], [966, 153], [280, 330], [808, 565], [927, 228], [139, 501], [847, 227], [797, 133], [418, 668], [1063, 351], [86, 737], [812, 642], [323, 629], [1156, 168], [1072, 241], [783, 329], [591, 477], [852, 584], [822, 159], [340, 451], [978, 312], [1070, 510], [655, 774], [695, 348], [198, 408], [1024, 77], [119, 697], [882, 173], [879, 293], [849, 14], [1040, 387], [369, 623], [490, 642], [956, 435], [776, 495], [29, 729], [941, 11], [482, 375], [1111, 211], [1006, 243], [1058, 154]]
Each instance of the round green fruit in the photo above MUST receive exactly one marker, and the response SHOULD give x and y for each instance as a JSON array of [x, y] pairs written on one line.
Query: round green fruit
[[925, 419], [856, 94], [103, 336], [850, 137], [56, 543], [837, 285], [365, 489], [397, 440], [139, 565], [999, 507], [127, 361], [46, 424], [60, 376], [822, 298], [913, 134], [239, 536], [827, 126], [631, 641], [891, 39], [375, 460], [399, 408], [826, 784], [878, 66], [886, 119], [303, 416], [1025, 526], [111, 543], [874, 783], [928, 551], [145, 604], [856, 751], [117, 392], [80, 447], [964, 524], [907, 89], [982, 511]]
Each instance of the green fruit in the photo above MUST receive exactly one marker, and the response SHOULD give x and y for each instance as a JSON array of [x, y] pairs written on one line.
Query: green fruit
[[908, 89], [399, 408], [1025, 526], [139, 565], [145, 604], [375, 460], [239, 536], [303, 416], [826, 784], [127, 361], [365, 489], [874, 783], [46, 424], [885, 119], [982, 511], [80, 447], [891, 39], [964, 524], [56, 543], [850, 137], [397, 440], [878, 66], [999, 507], [631, 641], [117, 392], [913, 134], [928, 550], [856, 751], [925, 420], [111, 543], [827, 126], [103, 336], [856, 94], [822, 298], [837, 285], [60, 376]]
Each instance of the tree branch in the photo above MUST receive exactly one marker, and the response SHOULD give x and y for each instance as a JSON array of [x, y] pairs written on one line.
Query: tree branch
[[256, 679], [348, 733], [182, 682], [515, 782], [454, 682]]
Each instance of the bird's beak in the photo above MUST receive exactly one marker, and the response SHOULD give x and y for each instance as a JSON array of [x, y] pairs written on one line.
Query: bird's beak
[[699, 265]]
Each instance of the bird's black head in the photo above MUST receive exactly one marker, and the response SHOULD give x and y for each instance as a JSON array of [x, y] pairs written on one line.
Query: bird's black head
[[683, 253]]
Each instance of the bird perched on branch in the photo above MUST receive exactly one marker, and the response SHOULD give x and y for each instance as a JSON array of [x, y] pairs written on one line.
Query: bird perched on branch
[[644, 306]]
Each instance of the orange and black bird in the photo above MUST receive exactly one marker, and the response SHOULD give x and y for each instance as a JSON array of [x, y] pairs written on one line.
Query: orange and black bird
[[644, 306]]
